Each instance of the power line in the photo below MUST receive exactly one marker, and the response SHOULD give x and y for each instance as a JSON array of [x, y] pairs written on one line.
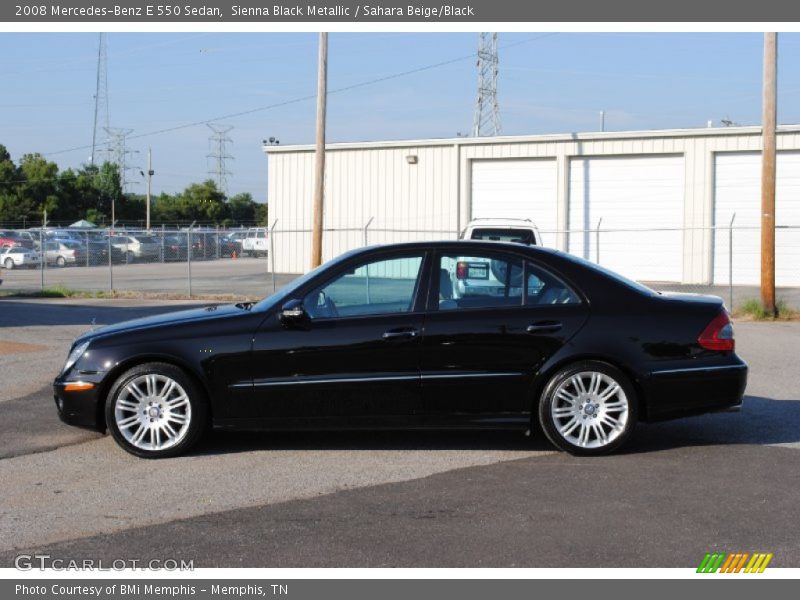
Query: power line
[[313, 96]]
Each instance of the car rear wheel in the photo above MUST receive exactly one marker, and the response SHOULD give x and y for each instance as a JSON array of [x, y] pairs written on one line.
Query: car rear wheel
[[9, 264], [588, 408], [156, 410], [61, 261]]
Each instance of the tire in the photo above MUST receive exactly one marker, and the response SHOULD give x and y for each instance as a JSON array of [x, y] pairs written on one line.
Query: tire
[[9, 264], [155, 410], [129, 257], [61, 261], [588, 408]]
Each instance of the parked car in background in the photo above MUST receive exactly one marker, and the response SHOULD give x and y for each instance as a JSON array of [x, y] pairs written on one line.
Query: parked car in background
[[18, 256], [10, 238], [65, 252], [137, 247], [203, 245], [236, 238], [521, 231], [230, 243], [175, 247], [256, 242]]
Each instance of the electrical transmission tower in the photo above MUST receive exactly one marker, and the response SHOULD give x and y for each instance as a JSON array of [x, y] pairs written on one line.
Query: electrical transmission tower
[[118, 153], [100, 94], [218, 154], [487, 112]]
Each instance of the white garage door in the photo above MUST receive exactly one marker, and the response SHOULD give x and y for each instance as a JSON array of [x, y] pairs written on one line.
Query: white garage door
[[517, 189], [640, 201], [737, 189]]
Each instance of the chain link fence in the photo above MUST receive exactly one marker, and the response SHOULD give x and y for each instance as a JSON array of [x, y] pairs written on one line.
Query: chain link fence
[[722, 260]]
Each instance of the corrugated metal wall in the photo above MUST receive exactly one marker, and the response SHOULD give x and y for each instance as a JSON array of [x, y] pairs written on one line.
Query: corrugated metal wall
[[431, 199]]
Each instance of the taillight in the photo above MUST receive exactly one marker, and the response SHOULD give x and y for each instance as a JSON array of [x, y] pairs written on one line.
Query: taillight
[[718, 335], [461, 270]]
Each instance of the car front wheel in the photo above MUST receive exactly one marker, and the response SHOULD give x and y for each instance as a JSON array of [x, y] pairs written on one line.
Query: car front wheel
[[156, 410], [588, 408], [9, 264]]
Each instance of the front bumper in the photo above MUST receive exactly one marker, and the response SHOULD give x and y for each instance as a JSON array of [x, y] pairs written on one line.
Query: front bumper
[[679, 392], [81, 408]]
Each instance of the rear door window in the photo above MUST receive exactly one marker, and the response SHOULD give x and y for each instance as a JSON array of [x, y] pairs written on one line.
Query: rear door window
[[480, 281]]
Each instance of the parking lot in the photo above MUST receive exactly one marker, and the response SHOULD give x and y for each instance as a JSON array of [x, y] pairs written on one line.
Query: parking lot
[[723, 482]]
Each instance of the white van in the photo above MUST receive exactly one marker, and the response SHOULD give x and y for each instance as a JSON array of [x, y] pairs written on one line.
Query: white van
[[255, 243]]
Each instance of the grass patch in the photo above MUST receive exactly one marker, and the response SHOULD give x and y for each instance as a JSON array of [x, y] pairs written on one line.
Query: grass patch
[[754, 310]]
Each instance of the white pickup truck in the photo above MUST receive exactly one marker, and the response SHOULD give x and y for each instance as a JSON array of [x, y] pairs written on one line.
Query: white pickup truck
[[522, 231], [256, 242]]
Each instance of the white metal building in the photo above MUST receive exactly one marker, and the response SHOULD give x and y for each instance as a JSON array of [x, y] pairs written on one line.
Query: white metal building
[[661, 200]]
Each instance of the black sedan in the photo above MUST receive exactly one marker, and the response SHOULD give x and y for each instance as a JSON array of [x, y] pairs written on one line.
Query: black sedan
[[423, 335]]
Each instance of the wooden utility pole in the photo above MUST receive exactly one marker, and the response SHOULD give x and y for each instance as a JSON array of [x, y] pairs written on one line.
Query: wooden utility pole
[[150, 174], [769, 125], [319, 154]]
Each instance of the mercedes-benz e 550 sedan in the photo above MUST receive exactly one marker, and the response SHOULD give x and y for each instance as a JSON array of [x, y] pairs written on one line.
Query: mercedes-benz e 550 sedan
[[409, 336]]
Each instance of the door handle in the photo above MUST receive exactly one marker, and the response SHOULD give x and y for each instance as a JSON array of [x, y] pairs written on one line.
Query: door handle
[[393, 334], [544, 327]]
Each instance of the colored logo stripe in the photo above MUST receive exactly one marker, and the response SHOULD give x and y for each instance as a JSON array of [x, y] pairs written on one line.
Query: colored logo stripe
[[734, 563]]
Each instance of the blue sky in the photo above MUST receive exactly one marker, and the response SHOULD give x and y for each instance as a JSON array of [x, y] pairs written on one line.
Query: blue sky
[[548, 84]]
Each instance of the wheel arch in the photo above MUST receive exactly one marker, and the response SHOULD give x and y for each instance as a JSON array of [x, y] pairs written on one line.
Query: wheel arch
[[544, 376], [114, 374]]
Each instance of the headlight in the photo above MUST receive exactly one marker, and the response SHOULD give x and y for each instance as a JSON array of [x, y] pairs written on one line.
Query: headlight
[[73, 357]]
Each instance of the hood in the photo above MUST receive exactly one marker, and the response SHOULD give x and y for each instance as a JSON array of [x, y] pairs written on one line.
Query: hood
[[193, 315]]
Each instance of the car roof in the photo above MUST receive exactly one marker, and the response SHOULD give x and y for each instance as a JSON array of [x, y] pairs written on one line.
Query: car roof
[[463, 246]]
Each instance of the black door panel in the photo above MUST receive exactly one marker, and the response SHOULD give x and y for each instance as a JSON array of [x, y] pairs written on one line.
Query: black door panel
[[337, 368], [482, 363]]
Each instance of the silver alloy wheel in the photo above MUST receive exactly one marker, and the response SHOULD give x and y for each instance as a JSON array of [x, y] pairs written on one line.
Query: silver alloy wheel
[[589, 409], [9, 263], [152, 412]]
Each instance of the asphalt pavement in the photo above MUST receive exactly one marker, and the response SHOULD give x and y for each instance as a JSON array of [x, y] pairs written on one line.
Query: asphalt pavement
[[726, 482]]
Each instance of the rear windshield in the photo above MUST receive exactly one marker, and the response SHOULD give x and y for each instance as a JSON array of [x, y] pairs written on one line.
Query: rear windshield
[[639, 287], [520, 236]]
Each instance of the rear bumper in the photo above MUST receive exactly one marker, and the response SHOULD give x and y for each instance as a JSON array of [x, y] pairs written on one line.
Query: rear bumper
[[672, 393]]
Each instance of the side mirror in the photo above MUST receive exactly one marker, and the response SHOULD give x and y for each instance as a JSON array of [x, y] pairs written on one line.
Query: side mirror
[[293, 312]]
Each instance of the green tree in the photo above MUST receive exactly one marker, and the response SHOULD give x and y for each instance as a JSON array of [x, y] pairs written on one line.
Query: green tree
[[242, 208], [9, 174], [262, 213], [37, 191]]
